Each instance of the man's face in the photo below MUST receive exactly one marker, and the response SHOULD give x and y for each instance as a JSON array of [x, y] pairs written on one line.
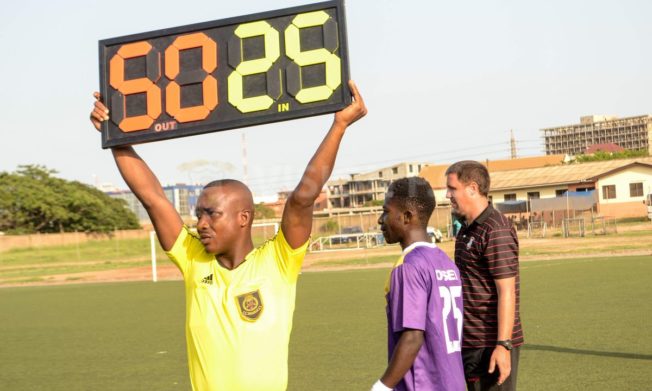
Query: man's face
[[391, 222], [219, 219], [459, 194]]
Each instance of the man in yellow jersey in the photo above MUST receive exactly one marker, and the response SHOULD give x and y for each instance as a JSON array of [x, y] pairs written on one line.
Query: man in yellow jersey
[[239, 299]]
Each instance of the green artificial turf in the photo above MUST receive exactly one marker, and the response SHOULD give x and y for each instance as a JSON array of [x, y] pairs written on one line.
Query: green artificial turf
[[586, 324]]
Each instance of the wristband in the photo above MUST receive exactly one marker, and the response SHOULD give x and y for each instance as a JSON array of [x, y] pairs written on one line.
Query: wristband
[[379, 386]]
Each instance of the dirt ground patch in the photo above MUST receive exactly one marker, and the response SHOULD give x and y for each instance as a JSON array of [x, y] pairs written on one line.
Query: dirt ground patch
[[532, 249]]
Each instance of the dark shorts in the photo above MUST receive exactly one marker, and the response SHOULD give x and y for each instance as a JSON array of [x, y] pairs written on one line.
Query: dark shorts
[[476, 367]]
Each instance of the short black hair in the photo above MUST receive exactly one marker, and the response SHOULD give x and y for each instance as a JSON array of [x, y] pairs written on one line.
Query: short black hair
[[413, 193], [468, 171]]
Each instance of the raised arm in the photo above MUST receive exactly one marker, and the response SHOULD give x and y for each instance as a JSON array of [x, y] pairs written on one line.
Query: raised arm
[[144, 184], [297, 215]]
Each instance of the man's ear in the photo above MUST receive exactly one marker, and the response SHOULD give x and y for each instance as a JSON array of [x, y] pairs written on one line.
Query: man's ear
[[407, 217], [473, 189], [245, 217]]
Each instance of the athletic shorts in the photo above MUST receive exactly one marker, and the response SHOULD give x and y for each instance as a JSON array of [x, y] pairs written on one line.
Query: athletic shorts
[[476, 367]]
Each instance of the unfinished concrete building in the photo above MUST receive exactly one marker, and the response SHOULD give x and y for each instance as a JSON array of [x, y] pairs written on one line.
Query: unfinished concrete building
[[634, 133]]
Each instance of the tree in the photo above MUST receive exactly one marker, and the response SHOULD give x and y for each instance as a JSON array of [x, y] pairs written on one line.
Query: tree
[[329, 226], [262, 211], [33, 200]]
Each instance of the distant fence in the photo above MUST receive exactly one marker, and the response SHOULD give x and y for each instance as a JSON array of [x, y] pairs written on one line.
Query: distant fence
[[7, 242], [367, 221]]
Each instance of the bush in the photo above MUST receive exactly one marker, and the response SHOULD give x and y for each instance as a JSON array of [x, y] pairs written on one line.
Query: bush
[[330, 226], [261, 211], [602, 156]]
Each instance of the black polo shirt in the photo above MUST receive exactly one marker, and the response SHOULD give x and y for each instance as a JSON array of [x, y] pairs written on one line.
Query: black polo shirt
[[486, 250]]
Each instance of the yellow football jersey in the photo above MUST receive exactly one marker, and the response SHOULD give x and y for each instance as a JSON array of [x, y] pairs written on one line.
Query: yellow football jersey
[[238, 321]]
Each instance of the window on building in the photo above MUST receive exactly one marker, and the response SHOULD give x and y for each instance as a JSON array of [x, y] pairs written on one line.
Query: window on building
[[560, 192], [394, 170], [419, 167], [380, 174], [636, 189], [609, 192], [510, 197], [411, 168]]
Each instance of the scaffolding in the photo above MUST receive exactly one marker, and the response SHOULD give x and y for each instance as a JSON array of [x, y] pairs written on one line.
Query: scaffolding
[[633, 133]]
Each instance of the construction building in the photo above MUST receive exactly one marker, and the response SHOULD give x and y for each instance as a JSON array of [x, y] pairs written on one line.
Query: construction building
[[364, 189], [282, 196], [183, 197], [632, 133]]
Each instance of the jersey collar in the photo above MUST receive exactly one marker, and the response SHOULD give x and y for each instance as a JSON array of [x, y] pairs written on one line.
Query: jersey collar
[[482, 217], [418, 244]]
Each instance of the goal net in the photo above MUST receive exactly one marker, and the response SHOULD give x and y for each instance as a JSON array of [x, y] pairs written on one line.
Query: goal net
[[536, 229], [573, 227]]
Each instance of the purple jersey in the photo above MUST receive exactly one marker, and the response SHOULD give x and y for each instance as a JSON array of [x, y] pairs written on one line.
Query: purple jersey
[[425, 293]]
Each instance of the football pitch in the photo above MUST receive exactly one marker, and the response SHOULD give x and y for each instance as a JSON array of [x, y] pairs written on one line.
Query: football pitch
[[586, 322]]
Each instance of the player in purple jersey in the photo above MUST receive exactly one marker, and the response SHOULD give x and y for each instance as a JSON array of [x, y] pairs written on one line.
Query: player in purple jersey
[[424, 298]]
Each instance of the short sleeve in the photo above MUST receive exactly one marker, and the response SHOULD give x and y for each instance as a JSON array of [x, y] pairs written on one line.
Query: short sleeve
[[185, 248], [288, 260], [408, 298], [502, 252]]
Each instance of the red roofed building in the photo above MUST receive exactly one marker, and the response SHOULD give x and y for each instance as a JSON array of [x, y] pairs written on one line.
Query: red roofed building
[[608, 147]]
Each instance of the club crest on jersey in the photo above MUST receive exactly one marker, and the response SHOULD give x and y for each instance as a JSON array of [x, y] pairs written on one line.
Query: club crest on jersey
[[250, 305]]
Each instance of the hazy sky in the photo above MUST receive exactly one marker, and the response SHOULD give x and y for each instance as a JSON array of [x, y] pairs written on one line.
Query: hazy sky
[[443, 81]]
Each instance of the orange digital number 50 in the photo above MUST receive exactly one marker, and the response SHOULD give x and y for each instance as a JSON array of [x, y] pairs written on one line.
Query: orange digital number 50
[[173, 90]]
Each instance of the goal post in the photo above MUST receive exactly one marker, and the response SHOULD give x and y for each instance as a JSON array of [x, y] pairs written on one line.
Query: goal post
[[536, 229], [261, 232], [573, 226]]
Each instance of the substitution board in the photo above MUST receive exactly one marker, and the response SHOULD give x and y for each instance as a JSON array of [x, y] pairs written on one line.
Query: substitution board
[[225, 74]]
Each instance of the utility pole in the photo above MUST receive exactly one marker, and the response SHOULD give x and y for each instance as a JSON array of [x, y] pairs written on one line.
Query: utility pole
[[513, 144]]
